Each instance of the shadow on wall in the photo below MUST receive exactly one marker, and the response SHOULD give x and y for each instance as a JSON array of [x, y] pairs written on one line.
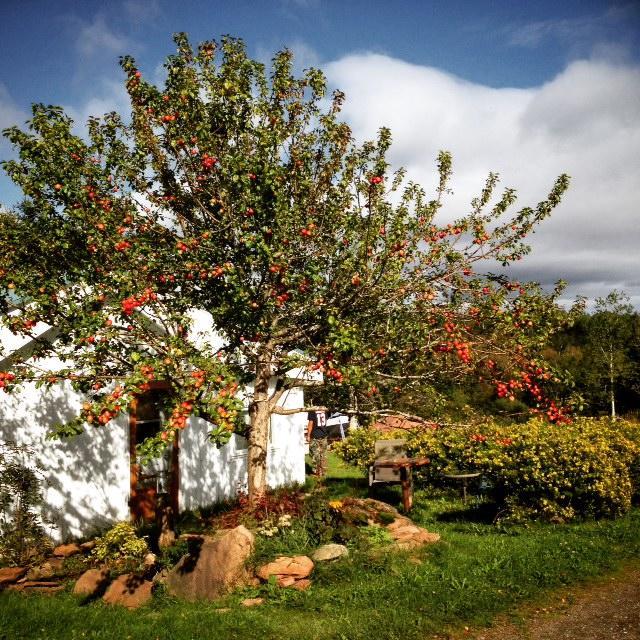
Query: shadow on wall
[[87, 476]]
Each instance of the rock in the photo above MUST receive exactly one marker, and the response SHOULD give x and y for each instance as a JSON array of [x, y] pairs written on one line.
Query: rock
[[296, 566], [37, 586], [329, 552], [129, 590], [57, 564], [366, 510], [91, 583], [252, 602], [213, 566], [408, 535], [38, 573], [9, 575], [161, 577], [150, 560], [66, 550], [87, 546], [301, 585], [285, 581]]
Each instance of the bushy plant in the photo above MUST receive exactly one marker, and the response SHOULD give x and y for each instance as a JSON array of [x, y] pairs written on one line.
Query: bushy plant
[[588, 468], [22, 532], [120, 546]]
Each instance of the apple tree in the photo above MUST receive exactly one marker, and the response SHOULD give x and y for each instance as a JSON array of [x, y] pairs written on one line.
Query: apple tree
[[240, 192]]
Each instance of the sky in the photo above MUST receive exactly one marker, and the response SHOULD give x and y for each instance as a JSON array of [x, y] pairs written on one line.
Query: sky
[[525, 89]]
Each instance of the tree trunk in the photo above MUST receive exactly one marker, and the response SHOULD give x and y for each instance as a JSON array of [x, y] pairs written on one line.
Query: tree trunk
[[260, 417], [612, 393]]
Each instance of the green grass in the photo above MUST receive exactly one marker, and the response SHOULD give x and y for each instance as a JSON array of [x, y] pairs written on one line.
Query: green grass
[[476, 572]]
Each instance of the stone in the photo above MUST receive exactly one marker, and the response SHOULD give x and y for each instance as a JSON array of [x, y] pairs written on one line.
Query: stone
[[408, 535], [37, 586], [214, 565], [9, 575], [329, 552], [91, 583], [285, 581], [296, 566], [252, 602], [66, 550], [87, 546], [301, 585], [57, 564], [129, 590], [38, 573], [150, 560]]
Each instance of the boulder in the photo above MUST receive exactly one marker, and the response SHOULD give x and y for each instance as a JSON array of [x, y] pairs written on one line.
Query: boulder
[[329, 552], [213, 566], [9, 575], [91, 583], [129, 590], [296, 567], [66, 550]]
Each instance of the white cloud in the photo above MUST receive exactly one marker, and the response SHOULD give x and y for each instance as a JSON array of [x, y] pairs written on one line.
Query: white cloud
[[585, 28], [142, 11], [96, 38], [585, 122], [110, 96]]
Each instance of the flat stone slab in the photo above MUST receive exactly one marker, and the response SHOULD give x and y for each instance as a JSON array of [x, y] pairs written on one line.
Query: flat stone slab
[[37, 586], [408, 535], [9, 575]]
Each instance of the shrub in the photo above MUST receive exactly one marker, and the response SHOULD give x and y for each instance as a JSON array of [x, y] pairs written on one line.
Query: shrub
[[588, 468], [22, 533], [121, 547]]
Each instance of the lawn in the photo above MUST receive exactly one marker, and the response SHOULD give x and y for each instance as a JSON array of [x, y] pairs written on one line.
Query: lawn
[[477, 571]]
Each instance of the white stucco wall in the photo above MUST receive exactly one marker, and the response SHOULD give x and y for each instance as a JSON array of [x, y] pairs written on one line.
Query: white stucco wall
[[209, 474], [88, 477]]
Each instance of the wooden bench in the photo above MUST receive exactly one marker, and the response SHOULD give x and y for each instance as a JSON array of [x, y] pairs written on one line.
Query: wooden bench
[[392, 465]]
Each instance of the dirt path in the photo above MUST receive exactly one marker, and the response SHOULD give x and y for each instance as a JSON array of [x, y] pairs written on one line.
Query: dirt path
[[608, 609]]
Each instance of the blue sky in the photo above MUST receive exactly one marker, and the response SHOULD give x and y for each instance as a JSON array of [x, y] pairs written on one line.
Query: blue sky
[[529, 89]]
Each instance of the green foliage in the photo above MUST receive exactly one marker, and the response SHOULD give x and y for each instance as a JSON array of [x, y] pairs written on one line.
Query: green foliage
[[120, 546], [22, 535], [602, 353], [588, 468]]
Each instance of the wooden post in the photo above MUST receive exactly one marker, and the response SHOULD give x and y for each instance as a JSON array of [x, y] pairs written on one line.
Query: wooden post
[[407, 488]]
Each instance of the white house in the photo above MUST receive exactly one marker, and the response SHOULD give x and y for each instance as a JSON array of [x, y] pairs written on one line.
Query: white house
[[94, 479]]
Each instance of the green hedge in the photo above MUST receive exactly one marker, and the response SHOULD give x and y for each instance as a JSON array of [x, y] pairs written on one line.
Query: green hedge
[[589, 468]]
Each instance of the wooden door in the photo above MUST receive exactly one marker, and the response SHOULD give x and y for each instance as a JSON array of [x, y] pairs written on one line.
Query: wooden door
[[158, 481]]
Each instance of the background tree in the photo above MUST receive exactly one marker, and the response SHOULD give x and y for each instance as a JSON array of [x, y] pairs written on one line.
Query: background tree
[[245, 196], [602, 353]]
